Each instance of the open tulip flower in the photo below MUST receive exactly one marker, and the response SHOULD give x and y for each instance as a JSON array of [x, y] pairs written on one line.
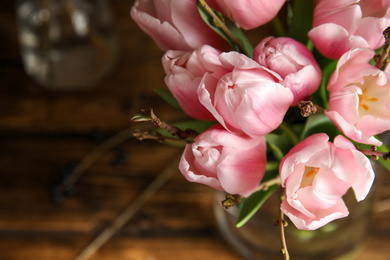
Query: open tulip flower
[[303, 107], [339, 26], [316, 174], [359, 97]]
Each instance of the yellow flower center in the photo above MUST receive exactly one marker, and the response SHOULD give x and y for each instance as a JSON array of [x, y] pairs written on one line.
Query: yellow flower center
[[308, 176], [310, 171], [365, 99]]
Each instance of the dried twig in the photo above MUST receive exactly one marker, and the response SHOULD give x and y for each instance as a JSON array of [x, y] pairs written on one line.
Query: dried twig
[[307, 108], [282, 223], [383, 59], [221, 24], [175, 131], [374, 153], [265, 185]]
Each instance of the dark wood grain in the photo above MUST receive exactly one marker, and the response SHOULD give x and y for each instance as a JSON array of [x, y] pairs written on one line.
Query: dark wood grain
[[42, 133]]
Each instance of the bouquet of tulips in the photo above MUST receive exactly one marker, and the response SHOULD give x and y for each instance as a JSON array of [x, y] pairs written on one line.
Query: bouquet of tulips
[[301, 109]]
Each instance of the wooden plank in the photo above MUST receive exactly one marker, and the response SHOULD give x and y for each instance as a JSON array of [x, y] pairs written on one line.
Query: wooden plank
[[179, 248], [41, 132]]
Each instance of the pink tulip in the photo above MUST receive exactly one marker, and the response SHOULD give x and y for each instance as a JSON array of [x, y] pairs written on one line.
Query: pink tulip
[[316, 174], [339, 26], [248, 13], [359, 97], [174, 24], [244, 96], [184, 72], [293, 62], [225, 161]]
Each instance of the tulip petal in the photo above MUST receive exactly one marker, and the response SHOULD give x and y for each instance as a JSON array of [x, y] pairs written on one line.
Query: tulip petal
[[332, 40], [316, 175]]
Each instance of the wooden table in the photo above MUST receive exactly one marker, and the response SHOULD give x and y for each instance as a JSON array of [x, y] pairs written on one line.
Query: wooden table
[[43, 134]]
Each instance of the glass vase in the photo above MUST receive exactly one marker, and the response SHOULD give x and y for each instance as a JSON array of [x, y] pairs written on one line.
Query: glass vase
[[66, 44], [260, 239]]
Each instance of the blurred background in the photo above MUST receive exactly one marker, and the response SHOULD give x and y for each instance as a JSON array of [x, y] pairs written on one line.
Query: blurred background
[[71, 79], [61, 102]]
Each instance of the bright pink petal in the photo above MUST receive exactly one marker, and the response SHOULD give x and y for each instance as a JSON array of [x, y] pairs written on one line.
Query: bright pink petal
[[304, 222], [250, 13], [238, 172], [264, 106], [371, 29], [316, 174], [332, 40], [302, 153], [188, 170], [350, 130], [347, 16]]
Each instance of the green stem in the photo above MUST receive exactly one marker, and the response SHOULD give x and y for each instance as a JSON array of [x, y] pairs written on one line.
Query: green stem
[[310, 45], [324, 96], [272, 166], [278, 26], [221, 24], [286, 128], [265, 185], [282, 223], [385, 161]]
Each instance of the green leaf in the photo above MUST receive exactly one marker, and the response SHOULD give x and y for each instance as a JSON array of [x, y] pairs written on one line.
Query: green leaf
[[168, 97], [248, 48], [320, 97], [210, 22], [319, 123], [236, 31], [250, 205], [302, 20], [281, 140], [278, 27], [277, 143], [271, 171], [272, 166]]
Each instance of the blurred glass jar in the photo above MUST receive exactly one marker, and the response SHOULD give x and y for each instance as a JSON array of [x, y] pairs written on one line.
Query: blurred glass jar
[[66, 44], [342, 239]]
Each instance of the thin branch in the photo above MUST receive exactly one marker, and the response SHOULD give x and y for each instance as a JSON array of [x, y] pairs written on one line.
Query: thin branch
[[374, 153], [175, 131], [265, 185], [129, 212], [383, 59], [282, 223], [221, 24], [146, 135]]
